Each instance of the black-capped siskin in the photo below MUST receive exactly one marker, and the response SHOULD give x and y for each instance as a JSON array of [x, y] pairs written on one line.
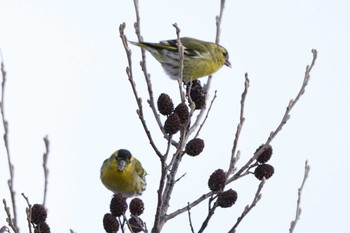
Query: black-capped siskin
[[39, 213], [194, 147], [110, 223], [217, 180], [172, 124], [265, 155], [165, 104], [123, 173], [200, 58], [136, 206], [263, 170], [227, 199], [118, 205]]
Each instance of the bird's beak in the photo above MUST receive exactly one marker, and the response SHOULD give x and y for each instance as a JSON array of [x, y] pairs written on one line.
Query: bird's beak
[[121, 165], [228, 63]]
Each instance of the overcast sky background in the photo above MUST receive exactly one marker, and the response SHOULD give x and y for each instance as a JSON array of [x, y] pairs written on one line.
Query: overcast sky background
[[66, 79]]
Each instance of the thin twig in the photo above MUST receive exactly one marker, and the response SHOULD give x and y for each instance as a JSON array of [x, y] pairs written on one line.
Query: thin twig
[[242, 171], [206, 86], [169, 187], [248, 208], [218, 21], [7, 147], [210, 214], [4, 229], [300, 190], [206, 115], [190, 219], [46, 170], [147, 76], [190, 205], [181, 51], [28, 213], [129, 72], [9, 219], [239, 127], [284, 120]]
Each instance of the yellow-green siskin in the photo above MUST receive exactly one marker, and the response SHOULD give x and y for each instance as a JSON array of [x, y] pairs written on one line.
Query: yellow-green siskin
[[201, 58], [122, 173]]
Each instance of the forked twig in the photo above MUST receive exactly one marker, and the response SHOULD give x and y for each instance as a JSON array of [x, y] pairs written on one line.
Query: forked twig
[[284, 120], [248, 208], [28, 213], [244, 168]]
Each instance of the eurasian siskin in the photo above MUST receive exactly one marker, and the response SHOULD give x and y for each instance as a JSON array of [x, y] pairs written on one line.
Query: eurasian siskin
[[122, 173], [201, 58]]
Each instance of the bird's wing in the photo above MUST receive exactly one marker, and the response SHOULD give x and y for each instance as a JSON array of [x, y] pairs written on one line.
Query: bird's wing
[[192, 47], [139, 169]]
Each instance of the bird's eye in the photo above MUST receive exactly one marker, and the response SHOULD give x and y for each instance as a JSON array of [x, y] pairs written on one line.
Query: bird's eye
[[225, 53]]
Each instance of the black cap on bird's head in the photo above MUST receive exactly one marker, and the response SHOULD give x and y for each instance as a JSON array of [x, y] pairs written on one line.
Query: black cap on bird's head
[[123, 158]]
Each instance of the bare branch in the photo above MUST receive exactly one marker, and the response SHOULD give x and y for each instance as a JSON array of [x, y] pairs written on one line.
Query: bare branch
[[300, 190], [9, 219], [5, 137], [190, 205], [28, 213], [248, 208], [4, 229], [239, 128], [206, 115], [284, 120], [46, 170], [147, 76], [211, 212], [218, 21], [190, 219], [244, 170], [181, 62], [129, 72]]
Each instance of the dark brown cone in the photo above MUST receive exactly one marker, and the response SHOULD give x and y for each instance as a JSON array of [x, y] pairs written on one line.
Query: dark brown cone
[[136, 224], [227, 199], [118, 205], [263, 170], [110, 223], [165, 104], [172, 124], [136, 206], [182, 112], [194, 147], [217, 180], [42, 227], [197, 94], [39, 213], [265, 155]]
